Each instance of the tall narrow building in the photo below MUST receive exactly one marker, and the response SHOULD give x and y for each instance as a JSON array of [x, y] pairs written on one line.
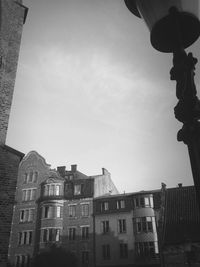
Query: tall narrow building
[[13, 15], [12, 18]]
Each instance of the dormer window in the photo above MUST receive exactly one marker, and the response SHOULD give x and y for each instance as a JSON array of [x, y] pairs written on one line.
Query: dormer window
[[104, 206], [120, 204], [77, 189]]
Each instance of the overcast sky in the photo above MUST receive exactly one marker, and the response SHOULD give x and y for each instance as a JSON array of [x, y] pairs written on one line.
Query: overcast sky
[[90, 90]]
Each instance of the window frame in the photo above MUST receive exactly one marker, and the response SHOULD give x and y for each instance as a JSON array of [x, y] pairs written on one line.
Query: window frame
[[72, 233], [123, 250], [106, 255], [122, 226], [72, 210], [50, 234], [26, 215], [29, 194], [25, 237], [120, 205], [105, 227], [85, 209], [85, 232]]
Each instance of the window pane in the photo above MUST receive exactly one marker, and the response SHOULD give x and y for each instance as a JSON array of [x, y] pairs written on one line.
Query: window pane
[[77, 189], [146, 200], [21, 215], [31, 215], [51, 189], [57, 190], [30, 177], [142, 202], [33, 195], [25, 178], [151, 202], [28, 194], [58, 211], [57, 235], [136, 202], [85, 210], [72, 211], [26, 215]]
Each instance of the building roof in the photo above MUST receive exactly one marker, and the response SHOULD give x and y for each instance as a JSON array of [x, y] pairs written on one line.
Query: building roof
[[156, 191], [181, 216], [13, 151]]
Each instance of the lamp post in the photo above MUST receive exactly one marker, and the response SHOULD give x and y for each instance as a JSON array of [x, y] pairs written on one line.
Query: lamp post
[[174, 25]]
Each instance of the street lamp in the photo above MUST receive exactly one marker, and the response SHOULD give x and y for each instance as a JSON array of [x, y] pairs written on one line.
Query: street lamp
[[174, 25]]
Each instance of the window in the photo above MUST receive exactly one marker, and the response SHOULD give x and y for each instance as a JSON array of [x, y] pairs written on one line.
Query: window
[[52, 190], [50, 234], [85, 210], [149, 249], [122, 226], [145, 224], [35, 177], [29, 194], [25, 238], [143, 201], [105, 227], [72, 210], [123, 251], [22, 261], [106, 252], [104, 206], [58, 212], [85, 232], [120, 204], [50, 212], [77, 189], [71, 177], [85, 257], [72, 233], [30, 177], [25, 178], [26, 215]]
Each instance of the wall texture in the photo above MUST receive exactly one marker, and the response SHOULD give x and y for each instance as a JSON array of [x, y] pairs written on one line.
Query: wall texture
[[12, 16], [9, 162]]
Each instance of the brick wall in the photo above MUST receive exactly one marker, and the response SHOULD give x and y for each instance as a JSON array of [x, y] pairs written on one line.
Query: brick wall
[[12, 16], [31, 162], [9, 162]]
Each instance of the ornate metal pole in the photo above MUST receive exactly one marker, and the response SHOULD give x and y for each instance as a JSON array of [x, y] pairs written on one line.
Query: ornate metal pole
[[187, 110]]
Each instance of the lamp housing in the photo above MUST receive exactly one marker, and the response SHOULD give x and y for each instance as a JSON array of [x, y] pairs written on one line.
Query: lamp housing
[[167, 27]]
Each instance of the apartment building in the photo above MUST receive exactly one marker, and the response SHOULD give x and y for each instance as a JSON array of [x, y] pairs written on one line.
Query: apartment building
[[54, 207], [125, 230]]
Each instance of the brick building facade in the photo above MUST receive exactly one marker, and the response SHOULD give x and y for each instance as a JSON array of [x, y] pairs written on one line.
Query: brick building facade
[[13, 15], [54, 206], [9, 162], [87, 216]]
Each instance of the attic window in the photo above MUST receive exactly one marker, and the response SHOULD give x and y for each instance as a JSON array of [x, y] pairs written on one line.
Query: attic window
[[77, 189]]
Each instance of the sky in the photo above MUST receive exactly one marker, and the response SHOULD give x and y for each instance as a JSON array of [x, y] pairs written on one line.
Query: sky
[[91, 90]]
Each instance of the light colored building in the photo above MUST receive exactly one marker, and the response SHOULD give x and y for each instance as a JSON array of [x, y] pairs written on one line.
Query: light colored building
[[125, 230]]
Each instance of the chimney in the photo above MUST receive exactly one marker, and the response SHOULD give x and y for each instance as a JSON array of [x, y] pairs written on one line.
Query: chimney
[[105, 171], [180, 185], [74, 168], [163, 186], [61, 170]]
